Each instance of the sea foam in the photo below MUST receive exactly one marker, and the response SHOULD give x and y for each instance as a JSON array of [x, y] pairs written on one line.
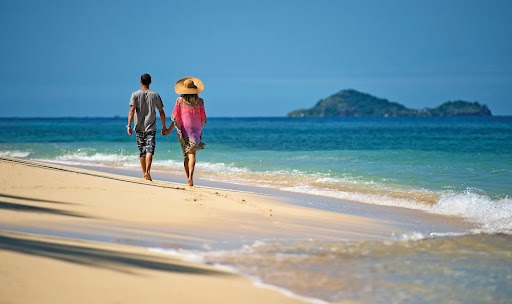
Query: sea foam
[[93, 159], [15, 153], [493, 215]]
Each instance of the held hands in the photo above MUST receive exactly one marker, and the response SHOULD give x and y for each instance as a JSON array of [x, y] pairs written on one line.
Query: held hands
[[167, 131]]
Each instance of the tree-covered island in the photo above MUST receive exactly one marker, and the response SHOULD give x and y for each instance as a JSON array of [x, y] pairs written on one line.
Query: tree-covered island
[[352, 103]]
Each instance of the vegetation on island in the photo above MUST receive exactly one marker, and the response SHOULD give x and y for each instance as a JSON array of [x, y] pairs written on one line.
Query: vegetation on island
[[352, 103]]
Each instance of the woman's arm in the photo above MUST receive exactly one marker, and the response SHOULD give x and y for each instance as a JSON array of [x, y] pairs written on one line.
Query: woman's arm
[[169, 130], [203, 113]]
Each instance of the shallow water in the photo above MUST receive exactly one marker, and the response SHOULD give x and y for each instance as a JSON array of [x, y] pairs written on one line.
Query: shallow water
[[474, 268]]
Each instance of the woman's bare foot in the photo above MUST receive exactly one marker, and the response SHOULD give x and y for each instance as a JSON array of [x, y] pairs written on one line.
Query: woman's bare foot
[[147, 177], [190, 182]]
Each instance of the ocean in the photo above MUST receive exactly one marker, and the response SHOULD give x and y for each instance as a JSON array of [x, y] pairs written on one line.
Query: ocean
[[457, 166]]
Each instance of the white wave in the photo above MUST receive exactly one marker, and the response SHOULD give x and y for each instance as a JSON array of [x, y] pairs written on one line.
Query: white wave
[[417, 236], [220, 168], [15, 153], [374, 199], [346, 180], [493, 215], [167, 164], [96, 159]]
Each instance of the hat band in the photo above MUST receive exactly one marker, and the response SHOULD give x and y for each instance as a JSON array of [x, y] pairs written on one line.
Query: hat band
[[189, 84]]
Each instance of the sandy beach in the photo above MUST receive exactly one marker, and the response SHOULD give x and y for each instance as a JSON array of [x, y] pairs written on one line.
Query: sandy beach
[[81, 236]]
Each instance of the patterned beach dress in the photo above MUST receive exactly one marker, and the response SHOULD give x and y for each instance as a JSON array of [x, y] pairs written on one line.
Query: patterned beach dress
[[189, 119]]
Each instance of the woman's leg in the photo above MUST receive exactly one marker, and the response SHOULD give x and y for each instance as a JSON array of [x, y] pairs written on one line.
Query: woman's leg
[[185, 164], [191, 167]]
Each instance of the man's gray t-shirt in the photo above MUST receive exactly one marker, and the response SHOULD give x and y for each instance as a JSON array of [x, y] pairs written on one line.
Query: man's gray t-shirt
[[145, 115]]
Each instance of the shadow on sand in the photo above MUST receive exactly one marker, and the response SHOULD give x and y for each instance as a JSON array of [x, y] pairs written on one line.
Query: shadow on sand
[[28, 208], [32, 199], [102, 258]]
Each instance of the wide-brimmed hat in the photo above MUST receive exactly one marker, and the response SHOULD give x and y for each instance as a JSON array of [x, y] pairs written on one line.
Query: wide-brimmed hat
[[189, 85]]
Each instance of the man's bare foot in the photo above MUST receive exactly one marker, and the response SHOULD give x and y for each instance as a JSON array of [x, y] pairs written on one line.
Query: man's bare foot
[[147, 177], [190, 182]]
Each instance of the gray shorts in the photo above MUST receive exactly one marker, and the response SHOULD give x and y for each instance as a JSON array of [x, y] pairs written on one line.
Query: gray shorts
[[146, 142]]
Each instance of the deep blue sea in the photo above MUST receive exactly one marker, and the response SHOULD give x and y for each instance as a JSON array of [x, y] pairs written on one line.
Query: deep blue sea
[[450, 166]]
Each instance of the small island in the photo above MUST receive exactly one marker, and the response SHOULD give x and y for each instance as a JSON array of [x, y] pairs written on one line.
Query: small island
[[352, 103]]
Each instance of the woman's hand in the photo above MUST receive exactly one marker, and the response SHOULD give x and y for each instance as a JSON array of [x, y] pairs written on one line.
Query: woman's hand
[[168, 131]]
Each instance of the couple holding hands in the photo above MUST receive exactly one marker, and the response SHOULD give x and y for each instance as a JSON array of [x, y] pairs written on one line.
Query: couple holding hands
[[188, 117]]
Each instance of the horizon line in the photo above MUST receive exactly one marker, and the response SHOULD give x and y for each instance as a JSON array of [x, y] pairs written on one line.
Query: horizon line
[[223, 117]]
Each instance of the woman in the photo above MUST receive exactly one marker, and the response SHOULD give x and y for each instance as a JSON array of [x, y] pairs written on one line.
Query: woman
[[189, 118]]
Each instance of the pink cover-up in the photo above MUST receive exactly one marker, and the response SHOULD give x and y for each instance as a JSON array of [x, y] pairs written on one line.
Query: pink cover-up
[[189, 120]]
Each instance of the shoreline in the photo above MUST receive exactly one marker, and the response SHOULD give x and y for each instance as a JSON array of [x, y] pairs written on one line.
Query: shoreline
[[401, 219], [402, 216], [435, 221], [44, 204], [45, 198]]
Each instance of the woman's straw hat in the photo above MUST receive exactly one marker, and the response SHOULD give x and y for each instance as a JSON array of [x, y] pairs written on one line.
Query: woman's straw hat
[[189, 85]]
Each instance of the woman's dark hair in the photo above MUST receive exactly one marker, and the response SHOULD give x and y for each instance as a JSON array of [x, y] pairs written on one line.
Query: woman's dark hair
[[145, 79], [191, 99]]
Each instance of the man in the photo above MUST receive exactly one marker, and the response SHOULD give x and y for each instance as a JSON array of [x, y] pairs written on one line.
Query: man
[[142, 106]]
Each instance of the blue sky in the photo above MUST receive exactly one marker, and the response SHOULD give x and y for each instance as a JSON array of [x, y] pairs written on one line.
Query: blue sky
[[256, 58]]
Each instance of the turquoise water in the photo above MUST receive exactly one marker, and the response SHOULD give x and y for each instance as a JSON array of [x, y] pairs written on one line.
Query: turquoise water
[[453, 166], [450, 166]]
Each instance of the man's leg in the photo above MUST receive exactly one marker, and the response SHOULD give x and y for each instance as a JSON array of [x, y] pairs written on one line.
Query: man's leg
[[142, 154], [148, 161], [149, 147], [143, 165]]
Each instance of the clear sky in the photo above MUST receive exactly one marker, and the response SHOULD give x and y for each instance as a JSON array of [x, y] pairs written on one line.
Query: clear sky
[[256, 58]]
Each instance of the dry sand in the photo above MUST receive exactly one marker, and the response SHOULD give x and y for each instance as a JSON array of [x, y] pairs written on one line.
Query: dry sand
[[70, 235]]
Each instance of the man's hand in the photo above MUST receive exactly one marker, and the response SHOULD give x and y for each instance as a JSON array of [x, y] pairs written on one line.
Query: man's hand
[[131, 112], [168, 131]]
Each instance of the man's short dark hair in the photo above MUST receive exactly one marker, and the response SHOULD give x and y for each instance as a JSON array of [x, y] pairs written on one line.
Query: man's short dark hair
[[145, 79]]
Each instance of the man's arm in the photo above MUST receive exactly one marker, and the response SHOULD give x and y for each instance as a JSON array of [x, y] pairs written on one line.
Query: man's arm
[[131, 112], [162, 118]]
